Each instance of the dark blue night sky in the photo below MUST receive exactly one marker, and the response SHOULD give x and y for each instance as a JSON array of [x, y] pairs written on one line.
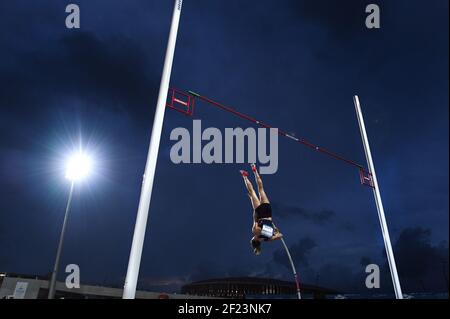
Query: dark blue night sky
[[293, 64]]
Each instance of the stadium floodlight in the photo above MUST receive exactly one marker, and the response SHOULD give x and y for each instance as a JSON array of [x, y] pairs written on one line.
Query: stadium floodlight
[[79, 166]]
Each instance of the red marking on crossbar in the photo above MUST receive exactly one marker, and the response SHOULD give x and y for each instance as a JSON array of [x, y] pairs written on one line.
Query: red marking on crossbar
[[181, 102], [174, 102], [366, 178]]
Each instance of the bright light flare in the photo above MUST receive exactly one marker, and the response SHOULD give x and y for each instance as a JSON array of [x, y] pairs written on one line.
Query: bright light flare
[[79, 166]]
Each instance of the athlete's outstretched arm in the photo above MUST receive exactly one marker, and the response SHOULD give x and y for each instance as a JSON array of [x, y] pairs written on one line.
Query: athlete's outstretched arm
[[277, 236]]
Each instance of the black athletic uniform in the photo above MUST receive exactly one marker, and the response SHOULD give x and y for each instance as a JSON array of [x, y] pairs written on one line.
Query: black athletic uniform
[[262, 212]]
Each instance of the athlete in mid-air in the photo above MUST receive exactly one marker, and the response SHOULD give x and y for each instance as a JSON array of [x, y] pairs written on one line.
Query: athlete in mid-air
[[263, 228]]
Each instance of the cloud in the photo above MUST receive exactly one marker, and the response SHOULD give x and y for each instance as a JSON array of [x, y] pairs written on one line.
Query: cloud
[[299, 252], [206, 270], [316, 217], [347, 226], [421, 265], [109, 73], [344, 279], [365, 261], [271, 270], [342, 18]]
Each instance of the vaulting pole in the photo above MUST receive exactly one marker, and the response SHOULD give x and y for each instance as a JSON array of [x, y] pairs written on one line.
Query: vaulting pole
[[297, 283], [150, 167], [380, 209]]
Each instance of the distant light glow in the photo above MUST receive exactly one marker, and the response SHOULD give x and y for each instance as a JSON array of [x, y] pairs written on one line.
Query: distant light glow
[[79, 166]]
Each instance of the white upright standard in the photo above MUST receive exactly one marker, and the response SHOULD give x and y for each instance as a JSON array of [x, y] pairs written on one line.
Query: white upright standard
[[149, 174], [380, 209]]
